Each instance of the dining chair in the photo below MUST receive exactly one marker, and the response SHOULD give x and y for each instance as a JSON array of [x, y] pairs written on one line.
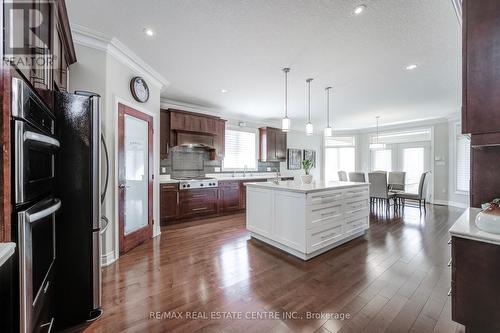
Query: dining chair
[[342, 176], [420, 196], [357, 177], [397, 180], [378, 188]]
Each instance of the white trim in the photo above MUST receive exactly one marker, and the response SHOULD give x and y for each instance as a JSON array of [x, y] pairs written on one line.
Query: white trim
[[112, 46], [451, 203], [108, 258], [247, 130]]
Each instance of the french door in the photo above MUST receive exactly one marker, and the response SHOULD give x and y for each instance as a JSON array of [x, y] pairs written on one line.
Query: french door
[[412, 158], [135, 177]]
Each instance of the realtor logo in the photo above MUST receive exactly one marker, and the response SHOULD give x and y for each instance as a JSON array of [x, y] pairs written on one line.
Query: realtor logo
[[27, 34]]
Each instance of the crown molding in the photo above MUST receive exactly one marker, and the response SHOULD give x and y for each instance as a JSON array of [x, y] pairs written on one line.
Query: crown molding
[[115, 48]]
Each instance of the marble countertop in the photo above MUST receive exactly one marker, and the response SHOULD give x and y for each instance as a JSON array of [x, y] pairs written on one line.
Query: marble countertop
[[465, 227], [6, 251], [293, 186], [165, 179]]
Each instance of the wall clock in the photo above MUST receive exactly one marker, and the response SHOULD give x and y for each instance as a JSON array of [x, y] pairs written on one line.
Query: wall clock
[[139, 89]]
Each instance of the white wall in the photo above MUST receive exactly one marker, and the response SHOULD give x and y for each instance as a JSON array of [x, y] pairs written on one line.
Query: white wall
[[99, 71], [300, 140]]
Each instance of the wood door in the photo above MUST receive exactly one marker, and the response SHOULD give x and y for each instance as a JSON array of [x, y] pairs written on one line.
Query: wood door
[[135, 177], [271, 144], [169, 203], [229, 195], [481, 67]]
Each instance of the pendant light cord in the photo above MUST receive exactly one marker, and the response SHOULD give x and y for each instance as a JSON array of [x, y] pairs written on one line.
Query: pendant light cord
[[309, 100], [328, 106], [286, 70], [377, 128]]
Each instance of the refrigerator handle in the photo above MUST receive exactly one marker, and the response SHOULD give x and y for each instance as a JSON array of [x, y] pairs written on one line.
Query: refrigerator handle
[[106, 179]]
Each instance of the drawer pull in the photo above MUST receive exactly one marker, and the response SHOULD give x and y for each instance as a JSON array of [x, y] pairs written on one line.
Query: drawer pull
[[449, 263], [46, 287], [320, 209], [198, 209], [329, 235], [199, 195]]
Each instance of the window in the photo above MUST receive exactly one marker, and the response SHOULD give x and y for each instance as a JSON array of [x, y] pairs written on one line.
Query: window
[[462, 161], [240, 150], [340, 155], [382, 160]]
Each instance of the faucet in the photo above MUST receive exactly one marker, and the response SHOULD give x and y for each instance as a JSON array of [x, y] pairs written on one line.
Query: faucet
[[245, 171], [278, 177]]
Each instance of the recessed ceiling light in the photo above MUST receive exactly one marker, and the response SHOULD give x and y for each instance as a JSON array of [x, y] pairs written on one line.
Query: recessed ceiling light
[[223, 91], [411, 67], [149, 32], [359, 10]]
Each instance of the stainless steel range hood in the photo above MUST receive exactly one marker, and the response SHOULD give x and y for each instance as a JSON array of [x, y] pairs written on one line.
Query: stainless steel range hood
[[195, 140]]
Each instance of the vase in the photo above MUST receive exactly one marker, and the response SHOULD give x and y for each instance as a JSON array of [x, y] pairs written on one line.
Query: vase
[[489, 219], [306, 179]]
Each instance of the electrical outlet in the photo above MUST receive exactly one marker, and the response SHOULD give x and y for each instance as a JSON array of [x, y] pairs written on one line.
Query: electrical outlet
[[217, 169], [163, 170], [268, 169]]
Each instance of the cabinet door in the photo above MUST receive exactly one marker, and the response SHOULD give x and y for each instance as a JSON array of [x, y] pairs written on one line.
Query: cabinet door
[[280, 146], [229, 195], [271, 144], [164, 134], [481, 66], [220, 139], [169, 204]]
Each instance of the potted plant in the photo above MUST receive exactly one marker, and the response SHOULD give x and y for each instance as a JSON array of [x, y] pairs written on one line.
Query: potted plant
[[307, 178]]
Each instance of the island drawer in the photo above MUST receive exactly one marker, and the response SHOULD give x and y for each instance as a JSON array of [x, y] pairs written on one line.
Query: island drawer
[[355, 204], [356, 223], [324, 214], [356, 192], [324, 197], [322, 236]]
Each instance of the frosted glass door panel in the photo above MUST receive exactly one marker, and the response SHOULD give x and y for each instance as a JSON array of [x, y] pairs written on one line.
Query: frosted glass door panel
[[136, 173]]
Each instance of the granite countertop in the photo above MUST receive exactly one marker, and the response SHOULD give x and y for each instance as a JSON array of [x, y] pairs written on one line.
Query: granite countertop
[[293, 186], [6, 251], [465, 227], [165, 179]]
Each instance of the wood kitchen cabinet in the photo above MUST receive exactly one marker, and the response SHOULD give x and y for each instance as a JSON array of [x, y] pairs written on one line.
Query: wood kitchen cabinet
[[229, 196], [474, 285], [181, 127], [272, 144], [169, 203], [198, 202], [481, 66]]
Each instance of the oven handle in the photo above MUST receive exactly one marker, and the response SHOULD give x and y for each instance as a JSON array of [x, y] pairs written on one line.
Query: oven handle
[[44, 212], [28, 135]]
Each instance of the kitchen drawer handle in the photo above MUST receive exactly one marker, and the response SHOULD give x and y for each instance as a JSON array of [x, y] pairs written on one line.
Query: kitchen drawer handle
[[199, 195], [355, 211], [320, 209], [329, 235], [46, 287], [197, 209], [50, 323], [449, 263]]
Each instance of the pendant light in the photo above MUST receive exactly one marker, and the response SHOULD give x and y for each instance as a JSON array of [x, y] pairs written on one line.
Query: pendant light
[[285, 122], [328, 129], [309, 125], [377, 145]]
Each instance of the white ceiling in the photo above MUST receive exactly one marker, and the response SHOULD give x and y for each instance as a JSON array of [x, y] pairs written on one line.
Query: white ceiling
[[204, 46]]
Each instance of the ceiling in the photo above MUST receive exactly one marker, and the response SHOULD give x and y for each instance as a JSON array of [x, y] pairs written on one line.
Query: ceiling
[[204, 46]]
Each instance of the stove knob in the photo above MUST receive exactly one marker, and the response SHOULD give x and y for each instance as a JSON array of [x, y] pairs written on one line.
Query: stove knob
[[201, 185], [188, 185], [183, 185]]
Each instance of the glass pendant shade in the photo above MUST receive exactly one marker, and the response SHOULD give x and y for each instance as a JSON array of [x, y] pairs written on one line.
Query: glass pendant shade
[[309, 129], [285, 124], [375, 146], [328, 131]]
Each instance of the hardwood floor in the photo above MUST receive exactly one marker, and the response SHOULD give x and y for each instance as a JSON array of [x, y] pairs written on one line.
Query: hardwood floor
[[395, 279]]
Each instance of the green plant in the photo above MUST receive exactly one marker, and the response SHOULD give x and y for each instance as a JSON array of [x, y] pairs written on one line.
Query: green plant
[[307, 165]]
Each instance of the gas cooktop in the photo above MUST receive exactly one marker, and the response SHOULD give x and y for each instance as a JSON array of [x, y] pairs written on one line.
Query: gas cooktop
[[188, 183]]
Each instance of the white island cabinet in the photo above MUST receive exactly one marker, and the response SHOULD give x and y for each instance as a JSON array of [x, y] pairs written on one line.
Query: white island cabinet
[[307, 220]]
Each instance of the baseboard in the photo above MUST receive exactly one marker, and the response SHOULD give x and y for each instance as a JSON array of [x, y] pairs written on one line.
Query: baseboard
[[451, 203], [108, 258]]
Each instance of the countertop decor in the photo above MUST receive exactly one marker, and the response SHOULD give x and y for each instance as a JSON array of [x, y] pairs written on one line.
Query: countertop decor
[[465, 227]]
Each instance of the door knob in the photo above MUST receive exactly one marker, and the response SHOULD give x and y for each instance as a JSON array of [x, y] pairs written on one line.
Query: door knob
[[123, 186]]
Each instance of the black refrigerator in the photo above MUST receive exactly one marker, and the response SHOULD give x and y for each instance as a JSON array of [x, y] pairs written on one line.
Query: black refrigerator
[[78, 244]]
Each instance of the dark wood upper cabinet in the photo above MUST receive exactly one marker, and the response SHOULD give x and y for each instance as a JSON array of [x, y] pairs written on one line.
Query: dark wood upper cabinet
[[180, 127], [272, 145], [481, 66]]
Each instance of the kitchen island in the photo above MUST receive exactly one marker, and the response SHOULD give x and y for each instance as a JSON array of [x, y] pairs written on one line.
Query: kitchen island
[[307, 220]]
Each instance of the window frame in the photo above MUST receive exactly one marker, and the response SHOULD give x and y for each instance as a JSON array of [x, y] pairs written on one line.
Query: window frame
[[353, 145], [456, 133], [248, 130]]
